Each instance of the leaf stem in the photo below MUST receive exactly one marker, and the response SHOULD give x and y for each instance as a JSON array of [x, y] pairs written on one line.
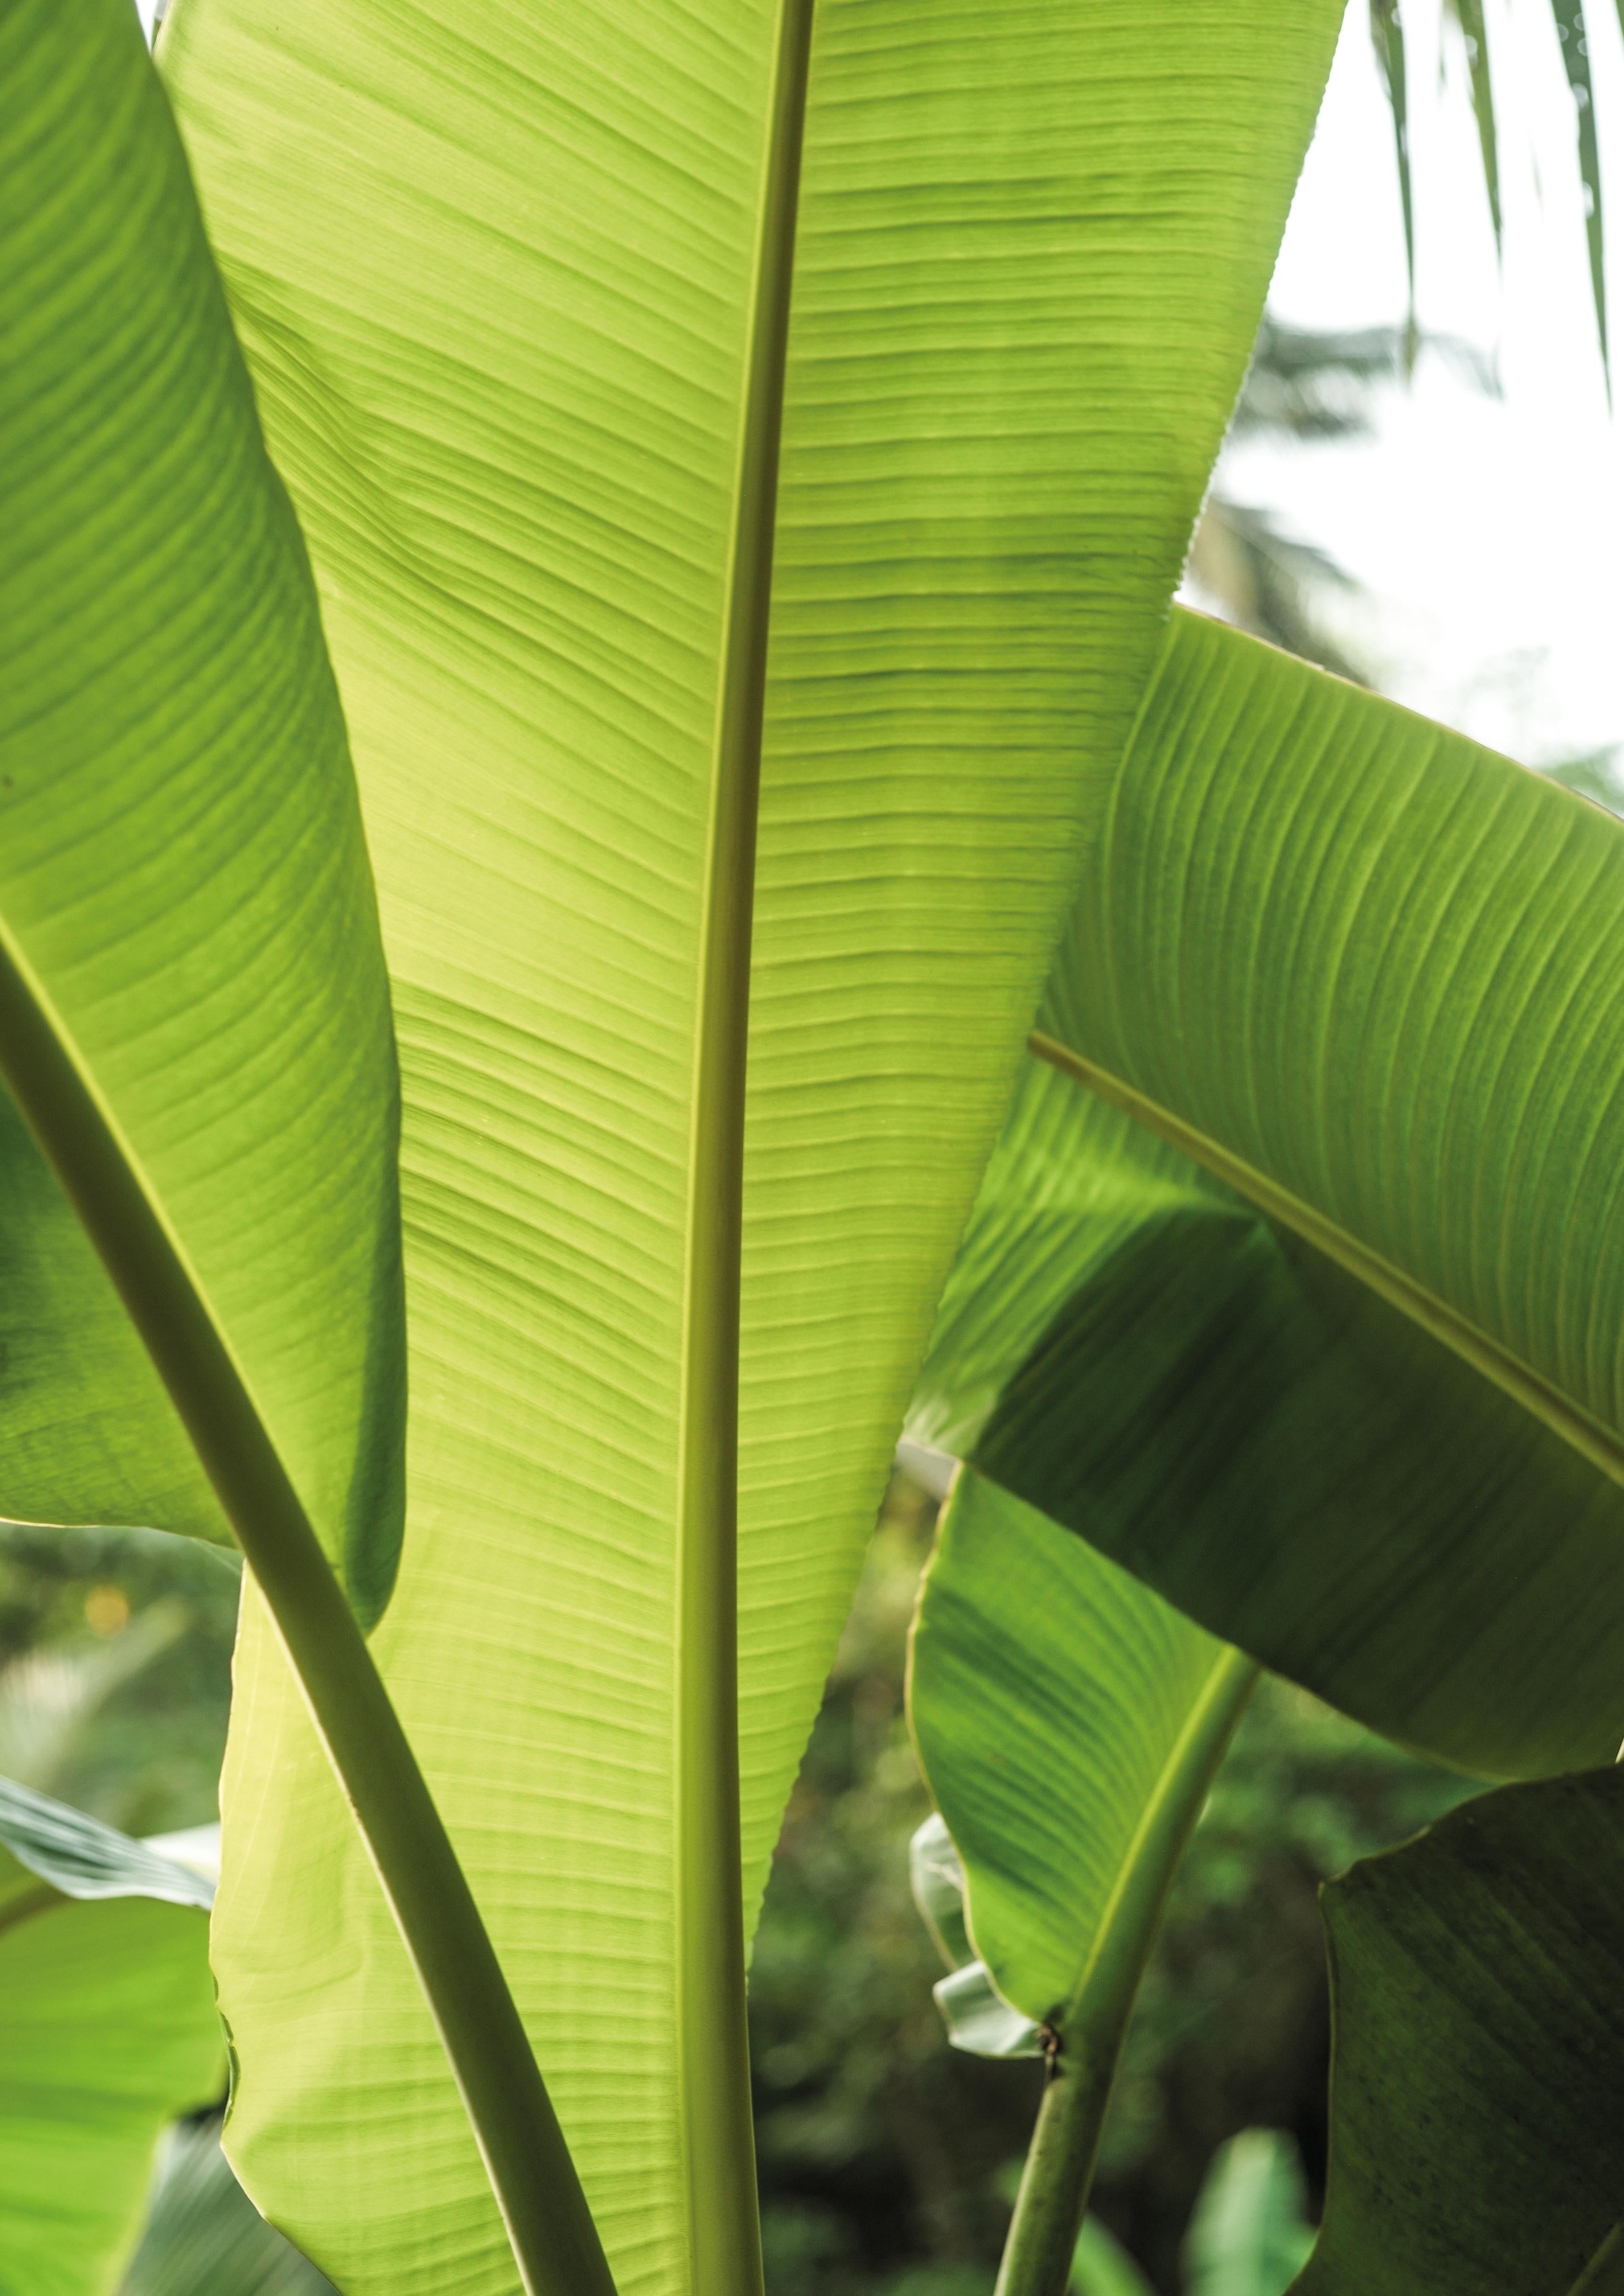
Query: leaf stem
[[1059, 2171], [554, 2241], [724, 2235], [1089, 2034]]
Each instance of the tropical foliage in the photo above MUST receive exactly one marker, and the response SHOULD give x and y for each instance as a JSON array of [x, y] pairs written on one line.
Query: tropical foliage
[[586, 598]]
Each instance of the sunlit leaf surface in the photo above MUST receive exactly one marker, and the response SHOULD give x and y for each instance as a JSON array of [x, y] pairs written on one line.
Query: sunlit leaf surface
[[497, 274], [186, 917], [108, 2031]]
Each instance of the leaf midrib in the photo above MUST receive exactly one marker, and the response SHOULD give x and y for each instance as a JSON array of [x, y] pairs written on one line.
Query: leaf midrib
[[1487, 1354], [1108, 1981], [712, 2041]]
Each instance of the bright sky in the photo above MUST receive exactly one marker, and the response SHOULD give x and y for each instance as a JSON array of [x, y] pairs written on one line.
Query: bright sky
[[1490, 532]]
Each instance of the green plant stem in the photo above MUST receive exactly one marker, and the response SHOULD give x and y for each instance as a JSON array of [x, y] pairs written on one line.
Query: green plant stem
[[1090, 2031], [554, 2241], [724, 2233], [1054, 2195]]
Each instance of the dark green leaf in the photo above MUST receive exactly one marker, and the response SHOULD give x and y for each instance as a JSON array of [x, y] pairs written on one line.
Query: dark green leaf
[[1477, 2090]]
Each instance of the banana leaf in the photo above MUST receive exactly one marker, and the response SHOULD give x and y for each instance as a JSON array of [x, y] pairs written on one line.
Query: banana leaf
[[195, 1014], [1297, 1282], [658, 388]]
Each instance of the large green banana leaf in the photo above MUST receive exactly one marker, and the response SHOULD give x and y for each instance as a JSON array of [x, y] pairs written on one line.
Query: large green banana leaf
[[1297, 1282], [1477, 2082], [193, 1009], [511, 281], [107, 2031], [1069, 1725]]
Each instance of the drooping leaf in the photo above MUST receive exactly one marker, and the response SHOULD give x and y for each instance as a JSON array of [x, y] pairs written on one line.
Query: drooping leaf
[[107, 2031], [80, 1857], [1250, 2233], [1357, 1406], [1477, 2086], [203, 2236], [1069, 1724], [508, 279], [195, 1008]]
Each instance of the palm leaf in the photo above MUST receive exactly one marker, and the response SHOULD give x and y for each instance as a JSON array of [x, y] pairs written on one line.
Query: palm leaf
[[1296, 1282], [511, 281], [1474, 36], [1387, 39], [1575, 44]]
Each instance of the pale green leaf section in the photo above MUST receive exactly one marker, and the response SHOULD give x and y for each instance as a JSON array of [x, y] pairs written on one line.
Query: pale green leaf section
[[1369, 975], [1250, 2233], [496, 271], [1068, 1723], [108, 2031], [187, 914]]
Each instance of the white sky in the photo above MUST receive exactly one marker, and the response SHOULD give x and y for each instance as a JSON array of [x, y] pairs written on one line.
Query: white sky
[[1489, 532]]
